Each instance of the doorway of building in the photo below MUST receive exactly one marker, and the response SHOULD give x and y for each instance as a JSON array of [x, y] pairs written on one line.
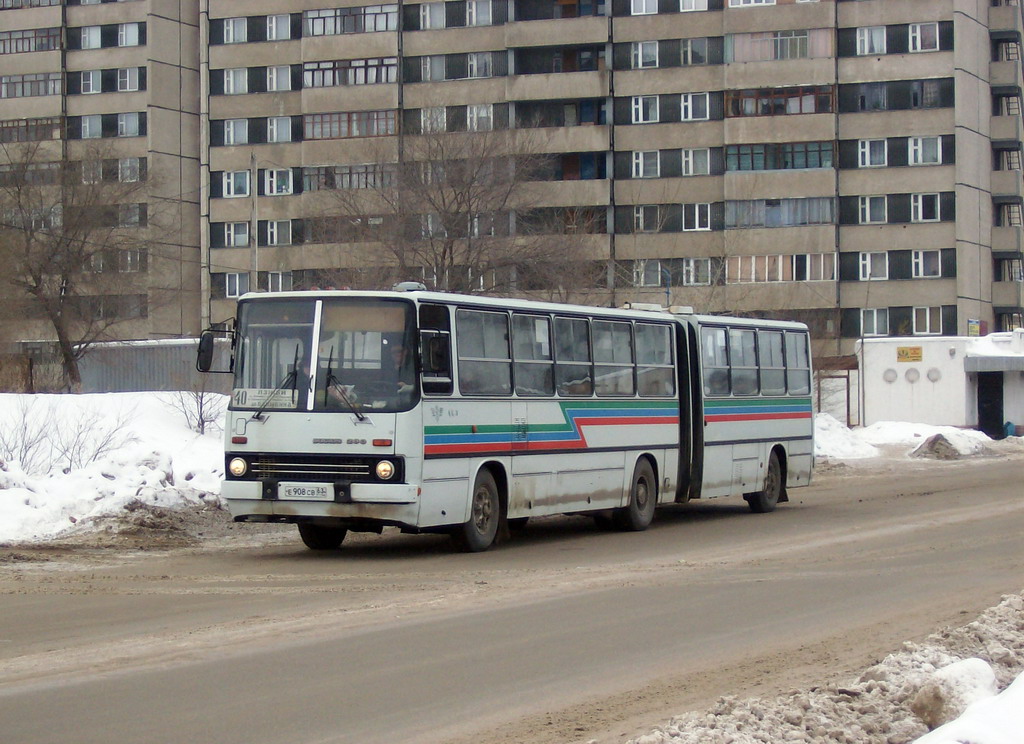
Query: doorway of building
[[990, 404]]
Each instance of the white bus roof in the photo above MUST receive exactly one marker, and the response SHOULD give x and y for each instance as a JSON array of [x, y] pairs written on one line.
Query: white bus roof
[[510, 303]]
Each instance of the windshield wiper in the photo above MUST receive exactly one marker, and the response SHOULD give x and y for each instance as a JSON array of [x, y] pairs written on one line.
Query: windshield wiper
[[292, 377], [333, 382]]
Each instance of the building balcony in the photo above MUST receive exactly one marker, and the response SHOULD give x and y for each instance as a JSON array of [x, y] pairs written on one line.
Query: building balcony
[[1004, 23], [1006, 132], [1004, 75], [557, 85], [1007, 294], [557, 32], [1007, 187], [1007, 240]]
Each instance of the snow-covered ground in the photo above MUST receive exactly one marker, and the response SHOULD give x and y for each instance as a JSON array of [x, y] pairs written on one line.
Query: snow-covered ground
[[67, 463]]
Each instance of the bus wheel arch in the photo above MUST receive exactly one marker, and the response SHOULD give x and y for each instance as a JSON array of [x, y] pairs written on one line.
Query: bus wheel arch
[[487, 509], [765, 500], [637, 515]]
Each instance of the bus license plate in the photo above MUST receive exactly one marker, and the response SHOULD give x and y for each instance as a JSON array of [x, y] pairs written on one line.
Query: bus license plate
[[306, 491]]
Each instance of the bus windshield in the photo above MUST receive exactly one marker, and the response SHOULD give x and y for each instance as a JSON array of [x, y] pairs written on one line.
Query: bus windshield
[[334, 354]]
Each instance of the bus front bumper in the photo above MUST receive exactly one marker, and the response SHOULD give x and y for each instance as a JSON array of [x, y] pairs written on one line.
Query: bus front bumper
[[385, 501]]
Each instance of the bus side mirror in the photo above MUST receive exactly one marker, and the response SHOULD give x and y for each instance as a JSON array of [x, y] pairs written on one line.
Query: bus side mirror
[[204, 356]]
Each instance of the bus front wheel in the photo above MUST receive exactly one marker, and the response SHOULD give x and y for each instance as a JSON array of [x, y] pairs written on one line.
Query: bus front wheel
[[643, 497], [765, 501], [479, 531], [318, 537]]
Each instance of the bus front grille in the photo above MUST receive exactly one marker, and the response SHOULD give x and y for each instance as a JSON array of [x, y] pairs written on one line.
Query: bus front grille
[[306, 469]]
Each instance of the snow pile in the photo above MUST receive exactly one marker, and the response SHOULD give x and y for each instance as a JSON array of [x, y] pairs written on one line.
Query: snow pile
[[70, 460], [833, 440], [896, 701], [965, 441]]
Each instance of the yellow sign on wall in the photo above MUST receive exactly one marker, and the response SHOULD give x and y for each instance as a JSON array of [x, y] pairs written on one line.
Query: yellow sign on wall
[[909, 353]]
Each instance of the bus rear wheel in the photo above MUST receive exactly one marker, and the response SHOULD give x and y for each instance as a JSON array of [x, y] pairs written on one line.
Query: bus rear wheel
[[479, 531], [318, 537], [765, 501], [643, 497]]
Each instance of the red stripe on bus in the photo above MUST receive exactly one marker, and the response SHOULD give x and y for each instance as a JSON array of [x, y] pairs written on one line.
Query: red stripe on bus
[[755, 416]]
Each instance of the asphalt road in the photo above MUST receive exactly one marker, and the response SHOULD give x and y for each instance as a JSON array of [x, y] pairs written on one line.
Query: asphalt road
[[565, 634]]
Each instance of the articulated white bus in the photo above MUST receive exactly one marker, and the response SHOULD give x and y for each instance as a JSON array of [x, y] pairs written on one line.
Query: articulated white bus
[[436, 412]]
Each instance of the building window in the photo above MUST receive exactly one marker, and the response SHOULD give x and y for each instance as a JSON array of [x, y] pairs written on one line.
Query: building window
[[478, 13], [925, 94], [693, 107], [803, 99], [646, 218], [128, 124], [91, 82], [90, 37], [279, 232], [279, 78], [478, 65], [874, 266], [346, 124], [30, 85], [236, 131], [128, 34], [689, 5], [279, 281], [696, 162], [334, 21], [279, 27], [129, 170], [646, 164], [871, 40], [924, 37], [927, 264], [872, 153], [645, 54], [874, 321], [480, 117], [645, 109], [643, 7], [31, 40], [432, 16], [277, 181], [235, 285], [693, 52], [756, 213], [433, 119], [647, 273], [279, 129], [128, 79], [924, 151], [924, 207], [92, 126], [873, 97], [782, 156], [927, 321], [872, 210], [236, 234], [236, 31], [236, 183], [236, 81], [749, 3], [696, 217]]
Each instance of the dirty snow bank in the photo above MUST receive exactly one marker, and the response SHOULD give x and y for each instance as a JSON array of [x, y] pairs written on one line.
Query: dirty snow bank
[[896, 701]]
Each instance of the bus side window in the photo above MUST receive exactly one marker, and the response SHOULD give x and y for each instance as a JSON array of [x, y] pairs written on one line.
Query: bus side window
[[715, 361], [485, 366], [531, 347], [573, 375], [613, 357], [772, 361], [435, 349], [743, 361], [798, 365], [654, 371]]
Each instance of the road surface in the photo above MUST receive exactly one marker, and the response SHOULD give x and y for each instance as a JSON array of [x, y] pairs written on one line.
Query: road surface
[[566, 634]]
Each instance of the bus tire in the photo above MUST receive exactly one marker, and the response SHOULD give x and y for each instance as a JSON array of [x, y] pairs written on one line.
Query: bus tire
[[765, 501], [643, 497], [318, 537], [480, 530]]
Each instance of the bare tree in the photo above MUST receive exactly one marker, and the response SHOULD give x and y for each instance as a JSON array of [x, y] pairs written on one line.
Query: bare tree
[[70, 233], [459, 211]]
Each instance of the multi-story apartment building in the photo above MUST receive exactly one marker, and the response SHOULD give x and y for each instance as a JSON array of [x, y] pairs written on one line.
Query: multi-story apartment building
[[854, 163], [112, 88], [851, 163]]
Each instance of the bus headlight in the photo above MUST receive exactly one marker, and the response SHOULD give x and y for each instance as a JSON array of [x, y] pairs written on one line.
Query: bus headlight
[[237, 467], [385, 469]]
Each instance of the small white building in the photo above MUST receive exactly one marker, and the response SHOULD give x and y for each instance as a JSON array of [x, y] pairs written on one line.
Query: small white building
[[961, 381]]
